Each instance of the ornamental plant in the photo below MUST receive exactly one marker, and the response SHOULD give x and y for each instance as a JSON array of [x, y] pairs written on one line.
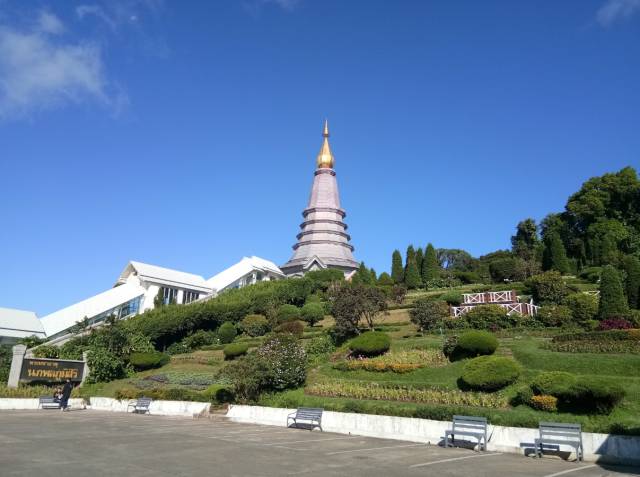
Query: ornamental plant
[[612, 300], [284, 361], [427, 314], [255, 325], [288, 313], [544, 403], [142, 361], [227, 332], [490, 373], [476, 343], [312, 312], [371, 343], [233, 350]]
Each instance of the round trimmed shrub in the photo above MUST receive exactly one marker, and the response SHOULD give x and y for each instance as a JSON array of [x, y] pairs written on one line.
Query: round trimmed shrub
[[490, 373], [312, 312], [219, 393], [295, 328], [233, 350], [288, 313], [552, 383], [371, 343], [142, 361], [255, 325], [227, 332], [477, 343]]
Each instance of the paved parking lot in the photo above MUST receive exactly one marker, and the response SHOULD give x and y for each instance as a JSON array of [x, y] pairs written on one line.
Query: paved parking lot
[[91, 443]]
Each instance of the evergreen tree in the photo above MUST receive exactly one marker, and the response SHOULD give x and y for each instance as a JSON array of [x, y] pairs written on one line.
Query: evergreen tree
[[373, 280], [554, 256], [411, 273], [430, 265], [612, 301], [632, 281], [609, 250], [362, 276], [397, 271], [385, 279], [158, 301], [419, 259], [525, 241]]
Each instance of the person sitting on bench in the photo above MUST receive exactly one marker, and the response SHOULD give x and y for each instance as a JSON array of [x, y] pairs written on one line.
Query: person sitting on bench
[[66, 394]]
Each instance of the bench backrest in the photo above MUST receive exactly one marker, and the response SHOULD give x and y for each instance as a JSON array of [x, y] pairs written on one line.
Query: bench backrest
[[46, 399], [309, 413], [143, 402], [471, 423], [560, 429]]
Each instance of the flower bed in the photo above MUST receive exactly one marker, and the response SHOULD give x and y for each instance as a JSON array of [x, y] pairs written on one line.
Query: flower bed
[[396, 361], [375, 391], [611, 341]]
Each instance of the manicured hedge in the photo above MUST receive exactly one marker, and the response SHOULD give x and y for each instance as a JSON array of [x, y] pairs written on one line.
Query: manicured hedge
[[219, 393], [255, 325], [552, 383], [141, 361], [371, 343], [227, 332], [477, 343], [490, 373], [234, 350]]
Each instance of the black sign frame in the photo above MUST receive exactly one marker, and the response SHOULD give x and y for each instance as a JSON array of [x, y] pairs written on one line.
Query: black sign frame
[[47, 370]]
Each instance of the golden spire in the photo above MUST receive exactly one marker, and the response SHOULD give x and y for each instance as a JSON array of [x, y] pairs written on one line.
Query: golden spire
[[325, 157]]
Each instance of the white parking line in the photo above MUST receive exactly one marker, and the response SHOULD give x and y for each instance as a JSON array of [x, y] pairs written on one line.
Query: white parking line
[[374, 448], [571, 470], [313, 440], [453, 459]]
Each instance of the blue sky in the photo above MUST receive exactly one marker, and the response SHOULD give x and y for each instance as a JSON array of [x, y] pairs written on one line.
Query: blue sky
[[184, 134]]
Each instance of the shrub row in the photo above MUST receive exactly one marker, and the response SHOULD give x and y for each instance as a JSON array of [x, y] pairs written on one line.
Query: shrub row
[[376, 391], [396, 361]]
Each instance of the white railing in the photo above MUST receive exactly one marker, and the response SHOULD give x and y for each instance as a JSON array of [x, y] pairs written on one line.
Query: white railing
[[528, 309], [473, 297], [501, 296]]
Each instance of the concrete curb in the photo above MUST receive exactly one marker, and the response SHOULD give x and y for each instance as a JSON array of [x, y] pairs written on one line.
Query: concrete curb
[[518, 440]]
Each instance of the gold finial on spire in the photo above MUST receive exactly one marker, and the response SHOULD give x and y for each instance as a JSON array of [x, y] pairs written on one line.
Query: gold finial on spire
[[325, 157]]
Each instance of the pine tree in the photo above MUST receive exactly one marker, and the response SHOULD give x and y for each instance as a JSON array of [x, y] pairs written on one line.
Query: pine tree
[[373, 277], [419, 259], [362, 275], [609, 251], [158, 301], [632, 281], [385, 279], [430, 265], [554, 256], [524, 242], [411, 273], [397, 271], [612, 301]]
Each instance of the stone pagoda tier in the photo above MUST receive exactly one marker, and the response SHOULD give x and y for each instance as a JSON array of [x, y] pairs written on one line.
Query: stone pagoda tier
[[323, 241]]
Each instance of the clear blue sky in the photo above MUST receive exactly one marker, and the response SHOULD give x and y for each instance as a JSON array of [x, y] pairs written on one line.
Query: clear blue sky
[[184, 134]]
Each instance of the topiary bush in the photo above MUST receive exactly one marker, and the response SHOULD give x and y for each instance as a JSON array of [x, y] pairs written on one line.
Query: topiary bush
[[288, 313], [552, 383], [142, 361], [295, 328], [233, 350], [371, 343], [219, 393], [547, 288], [584, 307], [490, 373], [312, 312], [476, 343], [255, 325], [227, 332]]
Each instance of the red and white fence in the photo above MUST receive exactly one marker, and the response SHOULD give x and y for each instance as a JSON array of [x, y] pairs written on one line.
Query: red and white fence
[[525, 309]]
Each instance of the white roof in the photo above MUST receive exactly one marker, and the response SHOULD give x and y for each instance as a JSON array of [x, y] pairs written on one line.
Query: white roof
[[69, 316], [165, 276], [19, 323], [235, 272]]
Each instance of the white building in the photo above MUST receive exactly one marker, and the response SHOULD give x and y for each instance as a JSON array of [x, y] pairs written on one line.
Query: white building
[[16, 324], [135, 291]]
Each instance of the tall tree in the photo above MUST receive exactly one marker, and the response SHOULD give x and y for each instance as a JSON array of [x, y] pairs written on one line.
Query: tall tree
[[385, 279], [397, 270], [362, 276], [632, 280], [419, 259], [158, 300], [430, 265], [411, 274], [555, 255], [525, 241], [612, 300]]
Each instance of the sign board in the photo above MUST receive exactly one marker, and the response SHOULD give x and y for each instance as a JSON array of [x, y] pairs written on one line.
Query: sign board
[[51, 370]]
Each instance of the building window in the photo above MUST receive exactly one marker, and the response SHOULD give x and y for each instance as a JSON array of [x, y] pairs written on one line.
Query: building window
[[189, 296], [170, 295]]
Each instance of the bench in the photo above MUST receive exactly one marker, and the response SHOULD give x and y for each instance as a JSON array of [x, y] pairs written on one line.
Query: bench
[[472, 426], [558, 434], [46, 402], [311, 418], [140, 405]]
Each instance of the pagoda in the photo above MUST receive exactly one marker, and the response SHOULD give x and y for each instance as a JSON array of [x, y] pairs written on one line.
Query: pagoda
[[323, 241]]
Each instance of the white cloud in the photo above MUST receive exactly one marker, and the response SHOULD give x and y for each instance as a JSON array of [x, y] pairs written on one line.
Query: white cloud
[[86, 10], [49, 23], [39, 71], [614, 10]]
